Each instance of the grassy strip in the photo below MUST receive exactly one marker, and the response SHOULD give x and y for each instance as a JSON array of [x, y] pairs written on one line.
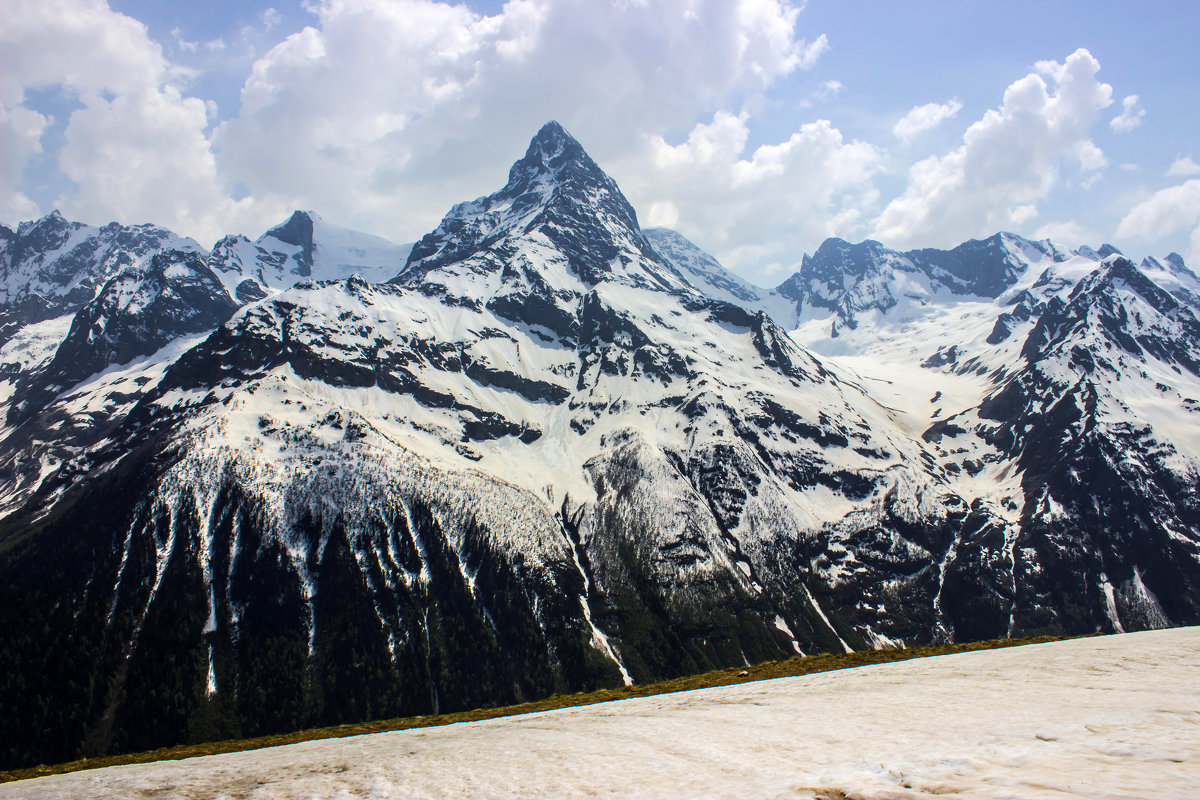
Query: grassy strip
[[724, 677]]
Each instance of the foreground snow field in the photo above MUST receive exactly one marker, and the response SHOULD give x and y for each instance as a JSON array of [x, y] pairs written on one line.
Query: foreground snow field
[[1106, 717]]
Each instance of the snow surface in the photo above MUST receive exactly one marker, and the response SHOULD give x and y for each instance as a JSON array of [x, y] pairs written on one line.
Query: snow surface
[[337, 253], [1106, 717], [29, 348], [84, 254]]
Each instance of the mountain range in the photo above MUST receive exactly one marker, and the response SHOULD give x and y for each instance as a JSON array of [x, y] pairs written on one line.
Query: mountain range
[[319, 477]]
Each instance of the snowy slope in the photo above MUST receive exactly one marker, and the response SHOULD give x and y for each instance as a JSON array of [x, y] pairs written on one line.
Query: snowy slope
[[51, 267], [1108, 717], [305, 247], [1064, 402], [73, 396], [706, 273]]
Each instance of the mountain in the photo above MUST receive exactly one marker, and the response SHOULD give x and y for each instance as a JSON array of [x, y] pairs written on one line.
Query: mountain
[[1065, 406], [852, 279], [50, 267], [706, 274], [250, 491], [305, 247]]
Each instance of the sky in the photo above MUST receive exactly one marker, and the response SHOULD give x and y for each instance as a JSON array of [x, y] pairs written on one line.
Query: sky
[[757, 128]]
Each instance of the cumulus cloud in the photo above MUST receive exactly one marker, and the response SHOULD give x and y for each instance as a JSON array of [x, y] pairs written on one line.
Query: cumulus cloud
[[1184, 166], [1130, 116], [923, 118], [382, 113], [1009, 160], [388, 112], [775, 199], [135, 147], [1167, 211]]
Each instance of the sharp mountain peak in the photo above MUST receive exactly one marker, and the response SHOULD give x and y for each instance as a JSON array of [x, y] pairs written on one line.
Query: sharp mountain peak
[[558, 201]]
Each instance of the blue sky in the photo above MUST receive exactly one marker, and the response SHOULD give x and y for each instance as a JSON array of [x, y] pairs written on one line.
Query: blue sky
[[756, 127]]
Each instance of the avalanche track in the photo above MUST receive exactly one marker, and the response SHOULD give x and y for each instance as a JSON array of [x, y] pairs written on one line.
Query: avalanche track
[[1105, 717]]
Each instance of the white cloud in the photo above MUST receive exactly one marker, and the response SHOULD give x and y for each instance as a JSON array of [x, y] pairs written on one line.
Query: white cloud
[[394, 110], [1069, 233], [20, 139], [1009, 160], [1167, 211], [181, 43], [773, 200], [923, 118], [381, 114], [135, 147], [270, 18], [809, 54], [1130, 117], [826, 91], [830, 89], [1183, 166]]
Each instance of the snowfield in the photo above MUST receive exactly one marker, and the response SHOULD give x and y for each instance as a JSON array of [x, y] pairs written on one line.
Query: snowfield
[[1106, 717]]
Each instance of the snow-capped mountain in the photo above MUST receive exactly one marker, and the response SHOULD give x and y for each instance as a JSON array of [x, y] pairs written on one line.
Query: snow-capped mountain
[[305, 247], [850, 279], [143, 307], [50, 267], [555, 451], [1065, 407]]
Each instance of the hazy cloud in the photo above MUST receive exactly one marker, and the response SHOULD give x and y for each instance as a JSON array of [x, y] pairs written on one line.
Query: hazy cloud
[[1184, 166], [1167, 211], [270, 18], [20, 139], [809, 54], [1130, 117], [1069, 232], [926, 117]]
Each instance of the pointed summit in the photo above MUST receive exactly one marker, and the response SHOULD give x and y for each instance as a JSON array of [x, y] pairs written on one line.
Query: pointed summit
[[54, 221], [553, 153], [558, 209], [298, 232]]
